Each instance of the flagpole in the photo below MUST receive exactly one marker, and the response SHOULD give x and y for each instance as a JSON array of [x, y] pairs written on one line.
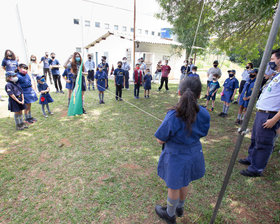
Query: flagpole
[[134, 31]]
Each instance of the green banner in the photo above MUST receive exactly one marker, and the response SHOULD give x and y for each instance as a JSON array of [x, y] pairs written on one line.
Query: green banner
[[76, 102]]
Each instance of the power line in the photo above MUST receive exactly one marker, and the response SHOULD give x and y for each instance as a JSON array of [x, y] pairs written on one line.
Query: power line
[[116, 7]]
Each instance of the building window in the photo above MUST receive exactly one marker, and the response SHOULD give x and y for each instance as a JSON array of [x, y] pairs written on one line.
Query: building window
[[116, 27], [131, 30], [87, 23], [97, 24], [139, 31], [107, 26], [78, 49], [153, 33], [159, 34], [146, 32], [124, 28], [76, 21]]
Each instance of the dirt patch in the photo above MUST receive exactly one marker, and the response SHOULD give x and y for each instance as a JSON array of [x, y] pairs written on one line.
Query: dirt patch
[[131, 166], [63, 113], [65, 142]]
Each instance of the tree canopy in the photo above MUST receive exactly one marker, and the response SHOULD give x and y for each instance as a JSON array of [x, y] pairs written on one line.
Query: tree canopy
[[238, 27]]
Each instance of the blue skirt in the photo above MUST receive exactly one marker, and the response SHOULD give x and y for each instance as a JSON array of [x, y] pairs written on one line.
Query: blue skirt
[[179, 168], [14, 106], [29, 95], [242, 102], [45, 98], [69, 85], [147, 86], [101, 85], [227, 96]]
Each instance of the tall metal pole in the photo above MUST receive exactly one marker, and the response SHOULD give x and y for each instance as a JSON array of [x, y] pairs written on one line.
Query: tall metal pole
[[22, 34], [272, 36], [134, 31]]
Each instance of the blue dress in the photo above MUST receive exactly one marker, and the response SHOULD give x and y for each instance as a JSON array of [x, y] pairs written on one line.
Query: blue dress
[[147, 81], [229, 86], [182, 160], [14, 89], [45, 98], [100, 77], [69, 76], [25, 83], [247, 91]]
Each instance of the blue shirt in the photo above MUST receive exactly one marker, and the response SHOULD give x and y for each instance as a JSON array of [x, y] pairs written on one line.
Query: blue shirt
[[46, 62], [42, 87], [231, 84], [213, 86], [248, 88], [184, 69], [270, 97], [148, 78], [119, 74], [193, 75], [13, 88], [100, 75], [10, 65], [89, 65], [24, 81], [176, 136], [55, 71]]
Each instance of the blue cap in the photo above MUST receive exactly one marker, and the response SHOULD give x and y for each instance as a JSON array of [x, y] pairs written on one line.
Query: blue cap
[[233, 71], [10, 73], [253, 71], [39, 77]]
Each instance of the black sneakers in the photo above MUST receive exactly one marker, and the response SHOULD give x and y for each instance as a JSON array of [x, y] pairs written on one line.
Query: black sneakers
[[162, 213], [179, 212], [244, 162]]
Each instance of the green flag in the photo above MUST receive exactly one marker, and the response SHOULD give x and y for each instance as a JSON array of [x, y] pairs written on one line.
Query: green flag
[[76, 102]]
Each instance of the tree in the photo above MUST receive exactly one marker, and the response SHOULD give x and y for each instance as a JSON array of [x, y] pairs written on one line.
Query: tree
[[238, 27], [184, 16]]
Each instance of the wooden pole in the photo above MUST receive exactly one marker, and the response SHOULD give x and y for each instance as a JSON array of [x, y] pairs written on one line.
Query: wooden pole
[[134, 31]]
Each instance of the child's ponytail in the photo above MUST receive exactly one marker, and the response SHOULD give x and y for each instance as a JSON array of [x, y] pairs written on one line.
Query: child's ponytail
[[187, 108]]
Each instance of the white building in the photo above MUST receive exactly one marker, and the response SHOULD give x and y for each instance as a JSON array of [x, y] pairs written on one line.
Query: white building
[[64, 26]]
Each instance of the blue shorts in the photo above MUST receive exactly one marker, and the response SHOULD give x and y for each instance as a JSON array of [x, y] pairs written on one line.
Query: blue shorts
[[211, 97]]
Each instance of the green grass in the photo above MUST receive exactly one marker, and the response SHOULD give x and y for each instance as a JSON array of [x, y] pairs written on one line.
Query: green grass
[[102, 167]]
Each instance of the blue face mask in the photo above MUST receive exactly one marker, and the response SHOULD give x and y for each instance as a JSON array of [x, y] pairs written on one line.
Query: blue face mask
[[272, 65], [231, 75], [77, 58], [42, 80]]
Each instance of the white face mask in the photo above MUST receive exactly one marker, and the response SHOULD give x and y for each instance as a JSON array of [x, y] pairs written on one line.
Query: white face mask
[[14, 79]]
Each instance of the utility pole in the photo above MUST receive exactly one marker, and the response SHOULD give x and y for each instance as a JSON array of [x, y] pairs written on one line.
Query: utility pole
[[22, 34], [134, 31]]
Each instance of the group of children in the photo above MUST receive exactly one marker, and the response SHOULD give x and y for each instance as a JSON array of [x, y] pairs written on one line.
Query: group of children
[[228, 93]]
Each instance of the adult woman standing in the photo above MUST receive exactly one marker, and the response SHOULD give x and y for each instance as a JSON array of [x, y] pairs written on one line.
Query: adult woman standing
[[33, 69], [75, 64], [9, 63]]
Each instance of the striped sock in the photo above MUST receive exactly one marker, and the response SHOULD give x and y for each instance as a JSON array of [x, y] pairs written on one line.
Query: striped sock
[[226, 110], [181, 204], [171, 206], [16, 119]]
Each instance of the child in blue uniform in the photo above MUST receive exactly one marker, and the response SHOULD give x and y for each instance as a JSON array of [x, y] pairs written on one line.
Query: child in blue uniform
[[193, 72], [119, 74], [100, 78], [229, 90], [68, 77], [147, 83], [16, 99], [181, 160], [246, 95], [212, 89], [30, 96], [45, 97]]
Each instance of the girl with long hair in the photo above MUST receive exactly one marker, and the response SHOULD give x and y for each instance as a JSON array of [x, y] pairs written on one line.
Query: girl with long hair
[[181, 160]]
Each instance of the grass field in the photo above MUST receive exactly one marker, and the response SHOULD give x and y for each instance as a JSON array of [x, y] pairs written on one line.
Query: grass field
[[102, 167]]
